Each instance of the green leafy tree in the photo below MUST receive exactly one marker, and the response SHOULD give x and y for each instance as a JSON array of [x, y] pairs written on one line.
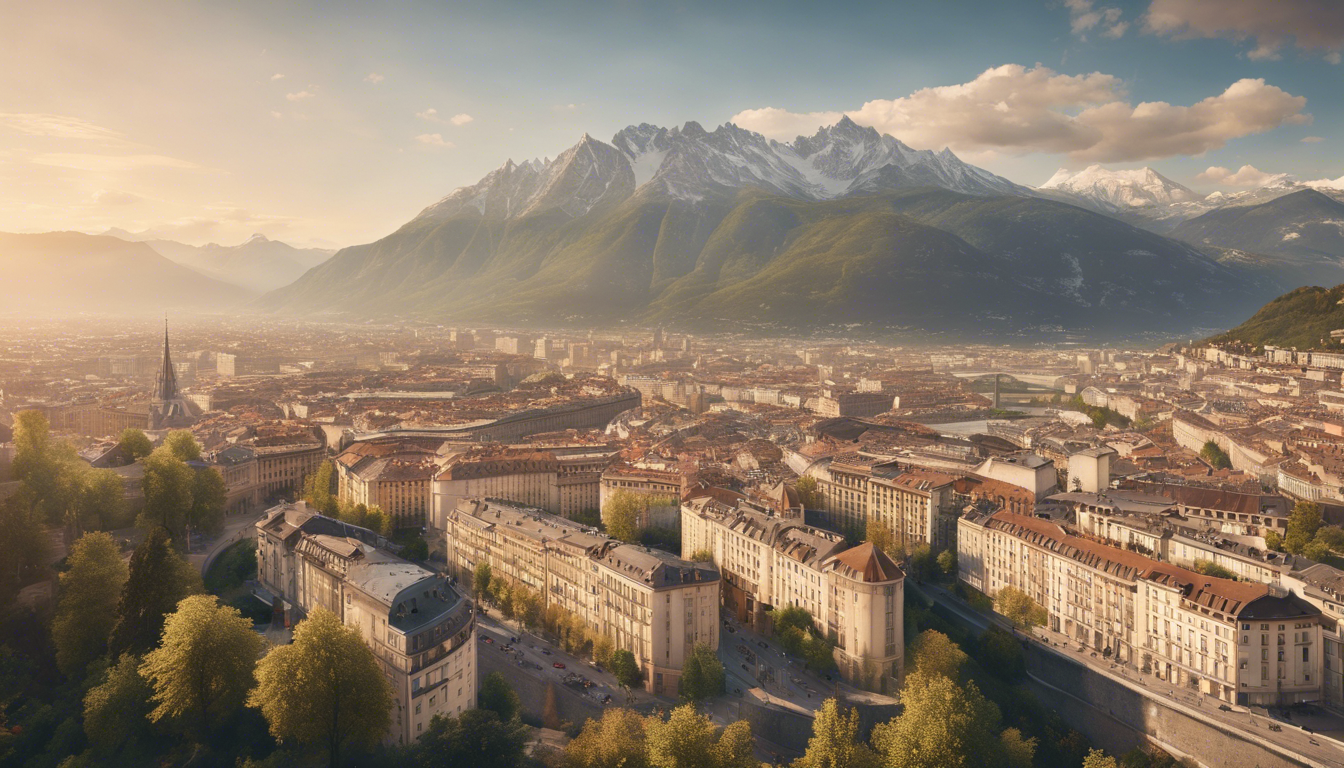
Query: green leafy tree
[[1316, 550], [920, 562], [818, 653], [116, 710], [24, 545], [879, 534], [204, 668], [603, 648], [624, 512], [1215, 456], [317, 489], [809, 495], [325, 689], [1273, 541], [735, 747], [209, 496], [480, 580], [1018, 752], [625, 668], [496, 696], [89, 588], [615, 740], [1303, 523], [933, 653], [943, 725], [476, 738], [1098, 759], [791, 616], [1210, 568], [702, 556], [701, 675], [947, 562], [134, 443], [1019, 608], [41, 465], [1001, 654], [168, 486], [100, 500], [835, 741], [182, 444], [1332, 536], [685, 740], [159, 580]]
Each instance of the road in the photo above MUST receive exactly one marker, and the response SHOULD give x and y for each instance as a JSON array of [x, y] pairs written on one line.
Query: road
[[1317, 747], [767, 666]]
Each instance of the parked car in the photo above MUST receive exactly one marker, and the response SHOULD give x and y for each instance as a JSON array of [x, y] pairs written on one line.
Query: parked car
[[543, 650], [559, 665], [488, 639], [763, 644]]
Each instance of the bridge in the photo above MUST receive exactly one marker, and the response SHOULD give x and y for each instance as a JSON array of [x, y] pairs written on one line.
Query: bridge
[[1047, 380]]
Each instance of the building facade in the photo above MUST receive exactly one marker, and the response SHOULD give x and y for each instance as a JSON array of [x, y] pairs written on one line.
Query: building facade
[[420, 629]]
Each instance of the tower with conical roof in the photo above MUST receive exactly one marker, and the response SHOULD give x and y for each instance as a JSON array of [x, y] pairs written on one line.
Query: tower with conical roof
[[168, 409]]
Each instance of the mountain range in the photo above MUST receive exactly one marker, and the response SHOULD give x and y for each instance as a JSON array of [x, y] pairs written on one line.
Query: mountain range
[[845, 229], [1301, 319], [68, 273], [258, 264]]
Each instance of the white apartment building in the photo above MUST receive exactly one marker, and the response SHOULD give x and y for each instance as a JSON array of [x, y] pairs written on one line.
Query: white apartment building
[[655, 605], [855, 595], [419, 628], [1245, 643]]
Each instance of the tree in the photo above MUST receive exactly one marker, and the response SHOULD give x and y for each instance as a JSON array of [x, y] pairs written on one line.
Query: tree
[[1215, 456], [1273, 541], [933, 653], [947, 562], [943, 725], [791, 616], [209, 495], [99, 500], [879, 534], [736, 748], [480, 580], [1017, 751], [317, 489], [685, 740], [168, 486], [476, 738], [818, 653], [496, 696], [1098, 759], [1001, 653], [701, 674], [43, 466], [1303, 523], [1019, 608], [625, 668], [835, 741], [808, 494], [1210, 568], [115, 709], [183, 445], [616, 740], [159, 580], [24, 545], [702, 555], [1316, 550], [134, 443], [603, 648], [920, 562], [89, 587], [203, 669], [623, 513], [325, 689]]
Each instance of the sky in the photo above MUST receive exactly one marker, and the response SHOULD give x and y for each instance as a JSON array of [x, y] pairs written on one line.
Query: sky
[[332, 123]]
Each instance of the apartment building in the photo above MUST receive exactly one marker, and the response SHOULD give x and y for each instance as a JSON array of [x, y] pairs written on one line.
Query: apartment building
[[281, 469], [395, 476], [1245, 643], [855, 595], [655, 483], [562, 481], [917, 504], [421, 630], [655, 605]]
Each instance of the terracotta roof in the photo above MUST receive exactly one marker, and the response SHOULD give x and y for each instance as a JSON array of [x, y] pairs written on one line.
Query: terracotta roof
[[869, 564]]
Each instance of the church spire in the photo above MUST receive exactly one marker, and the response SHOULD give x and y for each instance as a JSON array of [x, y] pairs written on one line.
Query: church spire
[[166, 386]]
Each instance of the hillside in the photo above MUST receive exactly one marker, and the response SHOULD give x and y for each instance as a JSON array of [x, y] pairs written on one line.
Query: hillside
[[1302, 318], [258, 264], [71, 273]]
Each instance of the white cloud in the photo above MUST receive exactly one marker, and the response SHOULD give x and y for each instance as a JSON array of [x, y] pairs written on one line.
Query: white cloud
[[462, 118], [1014, 109], [277, 76], [112, 197], [277, 115], [433, 140], [373, 77], [56, 126], [1084, 17], [430, 114], [1246, 176], [299, 96], [1312, 139], [111, 163], [1312, 25]]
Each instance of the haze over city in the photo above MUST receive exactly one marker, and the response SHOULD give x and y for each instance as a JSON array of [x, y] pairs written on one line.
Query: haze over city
[[535, 385]]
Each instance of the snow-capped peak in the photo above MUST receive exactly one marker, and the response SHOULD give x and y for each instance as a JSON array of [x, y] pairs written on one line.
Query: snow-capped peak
[[1121, 189]]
